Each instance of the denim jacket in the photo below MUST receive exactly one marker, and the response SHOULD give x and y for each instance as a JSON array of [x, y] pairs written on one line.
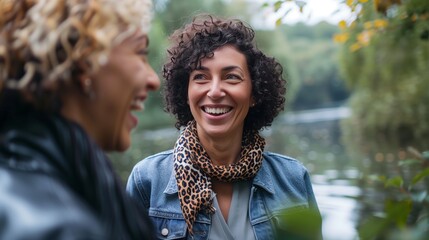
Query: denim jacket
[[282, 183]]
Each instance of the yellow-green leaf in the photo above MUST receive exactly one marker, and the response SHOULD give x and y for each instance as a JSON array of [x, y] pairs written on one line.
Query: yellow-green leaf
[[394, 182], [424, 173], [278, 5]]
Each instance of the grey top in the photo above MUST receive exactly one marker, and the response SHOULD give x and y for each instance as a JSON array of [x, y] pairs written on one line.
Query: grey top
[[238, 225]]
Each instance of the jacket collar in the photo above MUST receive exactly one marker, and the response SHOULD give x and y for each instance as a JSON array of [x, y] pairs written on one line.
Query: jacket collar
[[172, 184], [263, 179], [32, 141]]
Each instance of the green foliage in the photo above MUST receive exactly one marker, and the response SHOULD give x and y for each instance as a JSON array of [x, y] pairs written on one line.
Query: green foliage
[[315, 58], [298, 224], [406, 205], [145, 143], [274, 43], [310, 58], [385, 62], [388, 77], [420, 176], [175, 13]]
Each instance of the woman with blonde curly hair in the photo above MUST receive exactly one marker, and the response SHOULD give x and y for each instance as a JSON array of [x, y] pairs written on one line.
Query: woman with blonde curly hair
[[71, 74]]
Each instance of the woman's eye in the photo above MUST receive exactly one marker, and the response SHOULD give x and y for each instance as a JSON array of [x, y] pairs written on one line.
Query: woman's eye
[[234, 77], [143, 53], [198, 77]]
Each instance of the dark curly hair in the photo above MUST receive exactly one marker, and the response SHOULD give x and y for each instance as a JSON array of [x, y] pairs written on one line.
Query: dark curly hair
[[198, 40]]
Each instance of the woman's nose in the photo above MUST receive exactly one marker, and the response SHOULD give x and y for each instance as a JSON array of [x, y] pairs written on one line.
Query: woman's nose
[[216, 90], [153, 82]]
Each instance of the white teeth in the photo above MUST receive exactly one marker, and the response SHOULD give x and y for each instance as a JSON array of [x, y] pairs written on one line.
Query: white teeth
[[216, 110], [137, 103]]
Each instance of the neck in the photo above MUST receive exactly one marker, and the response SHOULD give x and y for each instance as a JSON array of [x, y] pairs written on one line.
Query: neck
[[222, 151], [76, 109]]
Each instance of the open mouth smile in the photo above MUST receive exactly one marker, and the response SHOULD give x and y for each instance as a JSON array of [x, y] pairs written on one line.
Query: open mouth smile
[[216, 110], [137, 104]]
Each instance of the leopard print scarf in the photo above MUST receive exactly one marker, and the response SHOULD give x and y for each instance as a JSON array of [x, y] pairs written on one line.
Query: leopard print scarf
[[194, 170]]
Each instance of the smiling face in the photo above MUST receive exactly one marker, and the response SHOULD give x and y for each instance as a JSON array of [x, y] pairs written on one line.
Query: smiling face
[[220, 94], [119, 87]]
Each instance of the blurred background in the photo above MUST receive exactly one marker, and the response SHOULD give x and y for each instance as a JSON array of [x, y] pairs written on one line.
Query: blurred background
[[357, 111]]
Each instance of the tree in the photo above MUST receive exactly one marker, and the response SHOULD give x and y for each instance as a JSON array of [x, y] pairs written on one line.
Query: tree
[[314, 57], [385, 61]]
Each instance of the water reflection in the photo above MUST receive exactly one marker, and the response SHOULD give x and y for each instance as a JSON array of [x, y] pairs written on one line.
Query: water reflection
[[338, 206]]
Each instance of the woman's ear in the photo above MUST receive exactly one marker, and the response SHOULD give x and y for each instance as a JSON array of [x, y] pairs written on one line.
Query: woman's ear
[[252, 102], [86, 84], [85, 81]]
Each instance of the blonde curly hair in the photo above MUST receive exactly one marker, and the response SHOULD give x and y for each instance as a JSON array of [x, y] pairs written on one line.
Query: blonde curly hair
[[44, 42]]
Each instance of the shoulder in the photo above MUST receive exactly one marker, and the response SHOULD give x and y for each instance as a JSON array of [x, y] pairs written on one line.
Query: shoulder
[[150, 178], [154, 164], [283, 169], [284, 162], [155, 169], [286, 179], [44, 207]]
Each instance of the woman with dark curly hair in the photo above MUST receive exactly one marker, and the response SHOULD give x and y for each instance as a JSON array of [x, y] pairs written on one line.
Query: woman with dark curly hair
[[72, 74], [218, 182]]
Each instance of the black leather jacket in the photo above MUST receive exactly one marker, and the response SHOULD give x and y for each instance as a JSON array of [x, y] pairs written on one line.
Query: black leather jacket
[[35, 200], [57, 183]]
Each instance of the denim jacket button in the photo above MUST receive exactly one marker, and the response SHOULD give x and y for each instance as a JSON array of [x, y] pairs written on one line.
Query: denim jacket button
[[164, 232]]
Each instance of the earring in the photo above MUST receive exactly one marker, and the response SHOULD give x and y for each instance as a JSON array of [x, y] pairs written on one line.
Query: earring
[[87, 88]]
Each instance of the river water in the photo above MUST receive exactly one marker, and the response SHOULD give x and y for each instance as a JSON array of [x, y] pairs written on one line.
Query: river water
[[337, 204]]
